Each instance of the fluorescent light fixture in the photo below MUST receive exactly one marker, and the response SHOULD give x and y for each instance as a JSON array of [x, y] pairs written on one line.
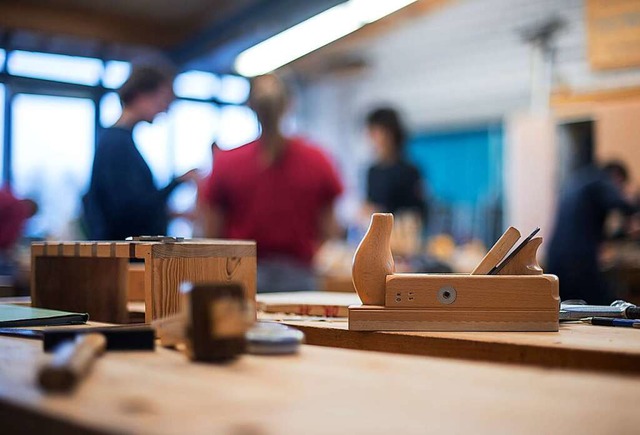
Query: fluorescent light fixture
[[313, 33]]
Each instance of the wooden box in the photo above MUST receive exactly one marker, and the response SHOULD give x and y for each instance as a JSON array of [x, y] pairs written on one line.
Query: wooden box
[[93, 277]]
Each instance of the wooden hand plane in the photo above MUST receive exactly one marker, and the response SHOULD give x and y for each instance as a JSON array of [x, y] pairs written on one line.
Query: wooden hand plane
[[512, 295]]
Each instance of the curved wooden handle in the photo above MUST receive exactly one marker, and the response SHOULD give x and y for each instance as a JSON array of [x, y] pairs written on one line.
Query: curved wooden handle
[[525, 262], [373, 261]]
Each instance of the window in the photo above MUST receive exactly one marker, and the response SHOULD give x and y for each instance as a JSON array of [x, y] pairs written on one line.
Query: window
[[53, 137], [71, 69], [238, 125], [196, 84], [52, 152], [115, 74], [234, 89], [153, 141], [110, 109]]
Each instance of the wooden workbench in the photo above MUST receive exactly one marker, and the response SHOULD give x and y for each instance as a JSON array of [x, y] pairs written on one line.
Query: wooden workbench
[[575, 346], [321, 390]]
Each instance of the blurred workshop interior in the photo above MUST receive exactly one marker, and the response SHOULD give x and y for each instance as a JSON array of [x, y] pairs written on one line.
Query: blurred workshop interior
[[502, 103]]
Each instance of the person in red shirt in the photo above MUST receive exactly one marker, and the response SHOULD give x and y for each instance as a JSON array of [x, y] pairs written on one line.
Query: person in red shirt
[[276, 190], [14, 213]]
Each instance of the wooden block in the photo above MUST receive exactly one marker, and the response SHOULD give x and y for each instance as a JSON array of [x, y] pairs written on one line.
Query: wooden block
[[123, 250], [172, 264], [472, 292], [85, 249], [97, 286], [68, 250], [497, 251], [379, 318], [328, 304], [135, 282]]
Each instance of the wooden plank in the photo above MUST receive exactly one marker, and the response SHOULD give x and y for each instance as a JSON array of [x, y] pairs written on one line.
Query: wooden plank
[[574, 346], [318, 391], [497, 251], [58, 18], [377, 318], [93, 285], [613, 33], [208, 249], [135, 282], [307, 303], [617, 131]]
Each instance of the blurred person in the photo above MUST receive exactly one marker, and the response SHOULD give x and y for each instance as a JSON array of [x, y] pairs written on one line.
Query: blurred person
[[393, 184], [123, 200], [588, 198], [202, 212], [14, 213], [276, 190]]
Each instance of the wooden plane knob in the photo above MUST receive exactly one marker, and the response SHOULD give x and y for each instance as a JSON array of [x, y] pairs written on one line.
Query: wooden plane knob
[[524, 262], [373, 260]]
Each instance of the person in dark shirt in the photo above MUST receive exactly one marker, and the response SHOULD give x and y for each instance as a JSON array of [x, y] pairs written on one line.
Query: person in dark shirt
[[123, 200], [586, 202], [393, 184]]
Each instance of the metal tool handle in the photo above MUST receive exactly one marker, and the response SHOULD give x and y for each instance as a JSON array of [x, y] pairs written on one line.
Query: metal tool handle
[[632, 313], [71, 361]]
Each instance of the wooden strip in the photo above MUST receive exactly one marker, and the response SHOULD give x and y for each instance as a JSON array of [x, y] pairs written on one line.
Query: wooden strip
[[241, 249], [371, 318], [497, 251], [50, 249], [143, 250], [103, 249], [574, 346], [85, 249], [307, 303], [68, 249], [37, 249]]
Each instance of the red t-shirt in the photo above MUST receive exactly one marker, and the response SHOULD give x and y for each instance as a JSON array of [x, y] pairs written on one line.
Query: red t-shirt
[[13, 215], [278, 205]]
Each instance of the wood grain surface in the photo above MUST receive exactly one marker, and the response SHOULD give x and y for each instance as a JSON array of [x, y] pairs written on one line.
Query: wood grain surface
[[318, 391], [575, 346], [167, 274], [497, 251], [97, 286], [419, 290], [327, 304]]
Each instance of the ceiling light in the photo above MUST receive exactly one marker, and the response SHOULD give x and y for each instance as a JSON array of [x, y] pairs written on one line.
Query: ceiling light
[[312, 34]]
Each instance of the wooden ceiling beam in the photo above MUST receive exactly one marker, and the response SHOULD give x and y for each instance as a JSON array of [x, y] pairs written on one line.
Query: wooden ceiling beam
[[110, 28]]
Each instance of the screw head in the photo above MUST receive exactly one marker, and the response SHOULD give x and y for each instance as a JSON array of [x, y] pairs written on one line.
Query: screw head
[[447, 295]]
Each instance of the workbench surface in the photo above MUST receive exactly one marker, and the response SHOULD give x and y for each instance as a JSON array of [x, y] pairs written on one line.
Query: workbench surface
[[321, 390], [575, 345]]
